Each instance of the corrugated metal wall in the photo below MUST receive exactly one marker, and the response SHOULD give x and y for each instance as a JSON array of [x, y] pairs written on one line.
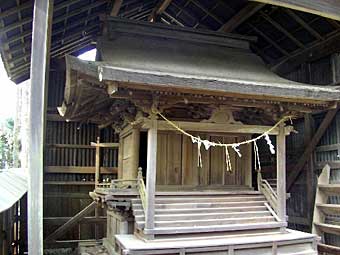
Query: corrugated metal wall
[[67, 144]]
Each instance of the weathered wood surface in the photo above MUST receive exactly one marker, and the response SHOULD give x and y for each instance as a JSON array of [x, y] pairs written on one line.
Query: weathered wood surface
[[116, 7], [128, 161], [177, 161], [246, 12], [281, 173], [71, 222], [320, 199], [159, 9], [325, 8], [41, 39], [215, 127], [300, 242], [328, 249], [79, 169], [151, 175], [295, 172]]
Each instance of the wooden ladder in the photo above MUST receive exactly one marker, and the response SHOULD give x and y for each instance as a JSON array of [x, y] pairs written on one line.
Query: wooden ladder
[[323, 208]]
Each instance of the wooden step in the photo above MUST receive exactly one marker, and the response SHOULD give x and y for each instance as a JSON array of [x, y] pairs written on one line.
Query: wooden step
[[329, 249], [203, 205], [168, 200], [211, 215], [329, 209], [209, 222], [332, 189], [328, 228], [204, 210], [214, 228]]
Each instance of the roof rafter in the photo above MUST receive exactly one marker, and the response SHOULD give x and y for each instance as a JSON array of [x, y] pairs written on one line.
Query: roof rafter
[[314, 51], [282, 29], [116, 8], [159, 9], [245, 13], [303, 23], [268, 39]]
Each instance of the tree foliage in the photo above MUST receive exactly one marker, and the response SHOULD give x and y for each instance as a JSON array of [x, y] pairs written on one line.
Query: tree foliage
[[7, 141]]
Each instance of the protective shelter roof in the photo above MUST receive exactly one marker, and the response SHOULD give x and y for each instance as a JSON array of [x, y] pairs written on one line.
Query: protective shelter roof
[[13, 185]]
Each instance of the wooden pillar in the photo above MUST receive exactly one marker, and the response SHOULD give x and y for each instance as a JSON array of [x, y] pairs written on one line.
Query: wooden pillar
[[97, 173], [41, 37], [281, 173], [151, 175]]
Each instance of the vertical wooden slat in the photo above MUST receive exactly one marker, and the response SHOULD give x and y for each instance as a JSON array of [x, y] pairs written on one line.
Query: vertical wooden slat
[[204, 171], [217, 160], [174, 158], [162, 141], [41, 37]]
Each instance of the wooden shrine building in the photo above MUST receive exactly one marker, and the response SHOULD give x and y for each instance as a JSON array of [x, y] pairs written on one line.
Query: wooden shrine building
[[201, 127], [157, 85]]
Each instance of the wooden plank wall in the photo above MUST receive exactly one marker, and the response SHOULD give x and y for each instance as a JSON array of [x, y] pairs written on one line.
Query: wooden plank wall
[[68, 149], [177, 159]]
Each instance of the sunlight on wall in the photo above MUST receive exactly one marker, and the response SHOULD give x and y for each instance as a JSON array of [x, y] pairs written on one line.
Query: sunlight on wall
[[89, 55]]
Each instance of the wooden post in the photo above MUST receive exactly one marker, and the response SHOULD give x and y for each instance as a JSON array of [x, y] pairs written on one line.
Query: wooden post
[[281, 173], [151, 175], [41, 37], [97, 173]]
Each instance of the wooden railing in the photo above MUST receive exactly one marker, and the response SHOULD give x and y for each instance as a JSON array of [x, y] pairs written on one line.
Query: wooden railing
[[267, 191], [141, 188]]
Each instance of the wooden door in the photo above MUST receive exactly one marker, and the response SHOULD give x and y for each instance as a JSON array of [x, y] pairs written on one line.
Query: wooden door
[[177, 161]]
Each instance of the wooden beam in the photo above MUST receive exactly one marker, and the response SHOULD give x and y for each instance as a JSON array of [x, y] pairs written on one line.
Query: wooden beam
[[41, 39], [105, 145], [70, 223], [57, 221], [79, 169], [281, 173], [303, 23], [268, 39], [151, 176], [59, 18], [282, 29], [159, 9], [314, 51], [325, 8], [214, 127], [311, 147], [16, 9], [116, 8], [245, 13], [328, 249]]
